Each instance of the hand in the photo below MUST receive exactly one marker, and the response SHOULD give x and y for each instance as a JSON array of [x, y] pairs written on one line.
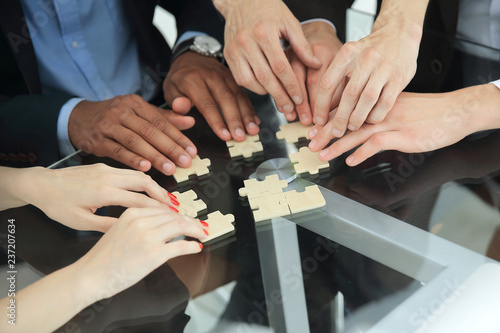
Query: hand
[[253, 52], [206, 83], [132, 131], [418, 123], [366, 76], [72, 195], [325, 44], [139, 242]]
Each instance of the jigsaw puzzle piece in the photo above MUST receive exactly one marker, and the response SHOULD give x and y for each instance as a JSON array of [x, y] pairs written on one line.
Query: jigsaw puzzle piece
[[218, 225], [292, 132], [198, 167], [299, 202], [254, 188], [245, 148], [268, 206], [189, 204], [307, 161]]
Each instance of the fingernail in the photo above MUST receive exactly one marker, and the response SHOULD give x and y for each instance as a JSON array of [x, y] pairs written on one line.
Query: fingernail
[[318, 120], [336, 133], [351, 127], [226, 133], [175, 202], [175, 210], [312, 133], [143, 164], [168, 167], [350, 160], [305, 118], [316, 59], [289, 116], [183, 160], [252, 125], [191, 151], [201, 246], [297, 99], [171, 196], [205, 231], [239, 132], [324, 153], [203, 223], [288, 108], [312, 143]]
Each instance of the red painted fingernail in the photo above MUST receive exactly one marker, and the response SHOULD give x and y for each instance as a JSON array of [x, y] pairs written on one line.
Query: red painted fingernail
[[175, 202], [205, 231], [172, 196], [173, 209], [201, 246], [203, 223]]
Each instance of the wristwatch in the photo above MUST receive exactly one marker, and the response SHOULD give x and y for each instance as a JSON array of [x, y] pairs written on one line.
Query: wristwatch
[[202, 44]]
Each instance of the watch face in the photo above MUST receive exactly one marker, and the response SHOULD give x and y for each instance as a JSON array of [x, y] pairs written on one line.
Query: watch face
[[207, 43]]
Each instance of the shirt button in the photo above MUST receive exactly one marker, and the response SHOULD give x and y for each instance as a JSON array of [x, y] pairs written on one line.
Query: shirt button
[[74, 44]]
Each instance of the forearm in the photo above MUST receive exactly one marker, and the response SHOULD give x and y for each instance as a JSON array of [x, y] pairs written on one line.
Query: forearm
[[48, 303], [12, 182], [407, 15], [483, 102]]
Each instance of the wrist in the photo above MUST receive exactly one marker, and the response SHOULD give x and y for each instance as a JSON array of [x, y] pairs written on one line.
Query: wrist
[[312, 27], [405, 17], [483, 102]]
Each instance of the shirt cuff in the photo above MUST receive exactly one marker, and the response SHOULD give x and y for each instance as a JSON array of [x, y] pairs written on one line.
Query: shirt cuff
[[496, 83], [65, 146], [320, 20], [185, 36]]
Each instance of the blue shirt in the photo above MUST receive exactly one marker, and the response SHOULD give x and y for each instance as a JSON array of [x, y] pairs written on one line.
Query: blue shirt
[[85, 49]]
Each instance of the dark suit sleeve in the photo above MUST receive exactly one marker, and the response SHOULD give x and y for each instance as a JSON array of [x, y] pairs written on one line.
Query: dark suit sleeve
[[332, 10], [28, 128], [196, 15]]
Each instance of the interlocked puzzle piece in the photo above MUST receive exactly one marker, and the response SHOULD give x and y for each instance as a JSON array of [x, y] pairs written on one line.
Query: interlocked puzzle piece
[[302, 201], [269, 206], [245, 148], [218, 225], [292, 132], [307, 161], [254, 188], [189, 204], [198, 167]]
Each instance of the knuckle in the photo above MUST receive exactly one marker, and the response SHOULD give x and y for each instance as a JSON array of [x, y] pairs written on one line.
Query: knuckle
[[242, 38], [260, 30], [161, 124], [372, 54], [261, 75], [131, 140], [326, 83], [279, 67], [348, 49], [371, 94], [312, 80], [148, 130], [117, 152], [377, 140], [352, 91]]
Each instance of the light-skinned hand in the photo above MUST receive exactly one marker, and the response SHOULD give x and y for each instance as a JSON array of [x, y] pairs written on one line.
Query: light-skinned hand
[[253, 51]]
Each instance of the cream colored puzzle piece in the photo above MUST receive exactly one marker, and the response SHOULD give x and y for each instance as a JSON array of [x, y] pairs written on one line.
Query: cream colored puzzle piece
[[189, 204], [245, 148], [269, 206], [218, 225], [307, 161], [254, 188], [198, 167], [292, 132], [299, 202]]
